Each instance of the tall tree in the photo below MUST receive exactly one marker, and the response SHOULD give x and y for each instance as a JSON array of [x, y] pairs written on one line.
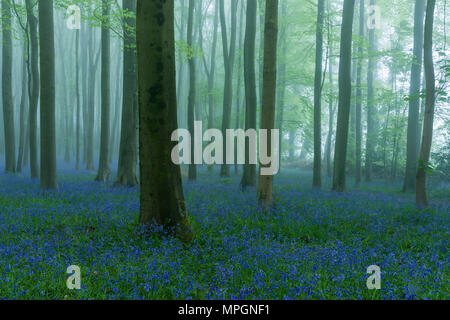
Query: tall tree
[[358, 98], [47, 110], [33, 89], [412, 144], [192, 87], [212, 69], [127, 168], [345, 90], [427, 135], [77, 93], [281, 93], [228, 57], [265, 182], [103, 164], [249, 174], [7, 97], [371, 134], [317, 171], [161, 197], [90, 107], [22, 122]]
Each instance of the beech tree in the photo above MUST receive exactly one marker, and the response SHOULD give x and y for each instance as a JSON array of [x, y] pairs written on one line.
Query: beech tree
[[249, 173], [265, 182], [317, 171], [7, 96], [345, 89], [127, 174], [412, 144], [48, 176], [427, 135], [103, 167], [161, 196]]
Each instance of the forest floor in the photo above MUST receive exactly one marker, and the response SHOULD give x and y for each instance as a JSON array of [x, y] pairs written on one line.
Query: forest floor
[[313, 245]]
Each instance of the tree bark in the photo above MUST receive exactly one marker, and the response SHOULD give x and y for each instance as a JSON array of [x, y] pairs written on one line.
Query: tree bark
[[77, 92], [358, 105], [22, 116], [340, 151], [103, 164], [192, 89], [161, 197], [249, 174], [412, 143], [370, 139], [228, 57], [127, 168], [265, 182], [47, 109], [7, 97], [317, 170], [427, 135]]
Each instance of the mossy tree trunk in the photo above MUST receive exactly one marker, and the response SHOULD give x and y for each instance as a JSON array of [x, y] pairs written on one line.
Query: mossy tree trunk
[[161, 198]]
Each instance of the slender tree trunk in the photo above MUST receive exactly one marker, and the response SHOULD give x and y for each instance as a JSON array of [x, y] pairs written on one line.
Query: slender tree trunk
[[238, 87], [427, 135], [23, 123], [282, 79], [412, 143], [77, 92], [161, 196], [47, 110], [358, 109], [90, 116], [103, 164], [370, 139], [345, 91], [317, 171], [8, 106], [265, 182], [192, 90], [249, 174], [35, 85], [212, 69], [228, 56], [127, 168]]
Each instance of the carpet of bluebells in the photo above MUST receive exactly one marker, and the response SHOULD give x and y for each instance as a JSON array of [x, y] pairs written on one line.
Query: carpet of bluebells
[[312, 245]]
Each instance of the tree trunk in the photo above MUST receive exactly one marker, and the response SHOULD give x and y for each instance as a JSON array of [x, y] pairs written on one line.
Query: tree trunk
[[192, 90], [47, 110], [238, 86], [427, 135], [23, 124], [35, 85], [358, 105], [228, 57], [412, 143], [317, 171], [282, 79], [103, 164], [265, 182], [371, 134], [77, 89], [345, 90], [127, 167], [90, 108], [8, 106], [161, 197], [249, 174]]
